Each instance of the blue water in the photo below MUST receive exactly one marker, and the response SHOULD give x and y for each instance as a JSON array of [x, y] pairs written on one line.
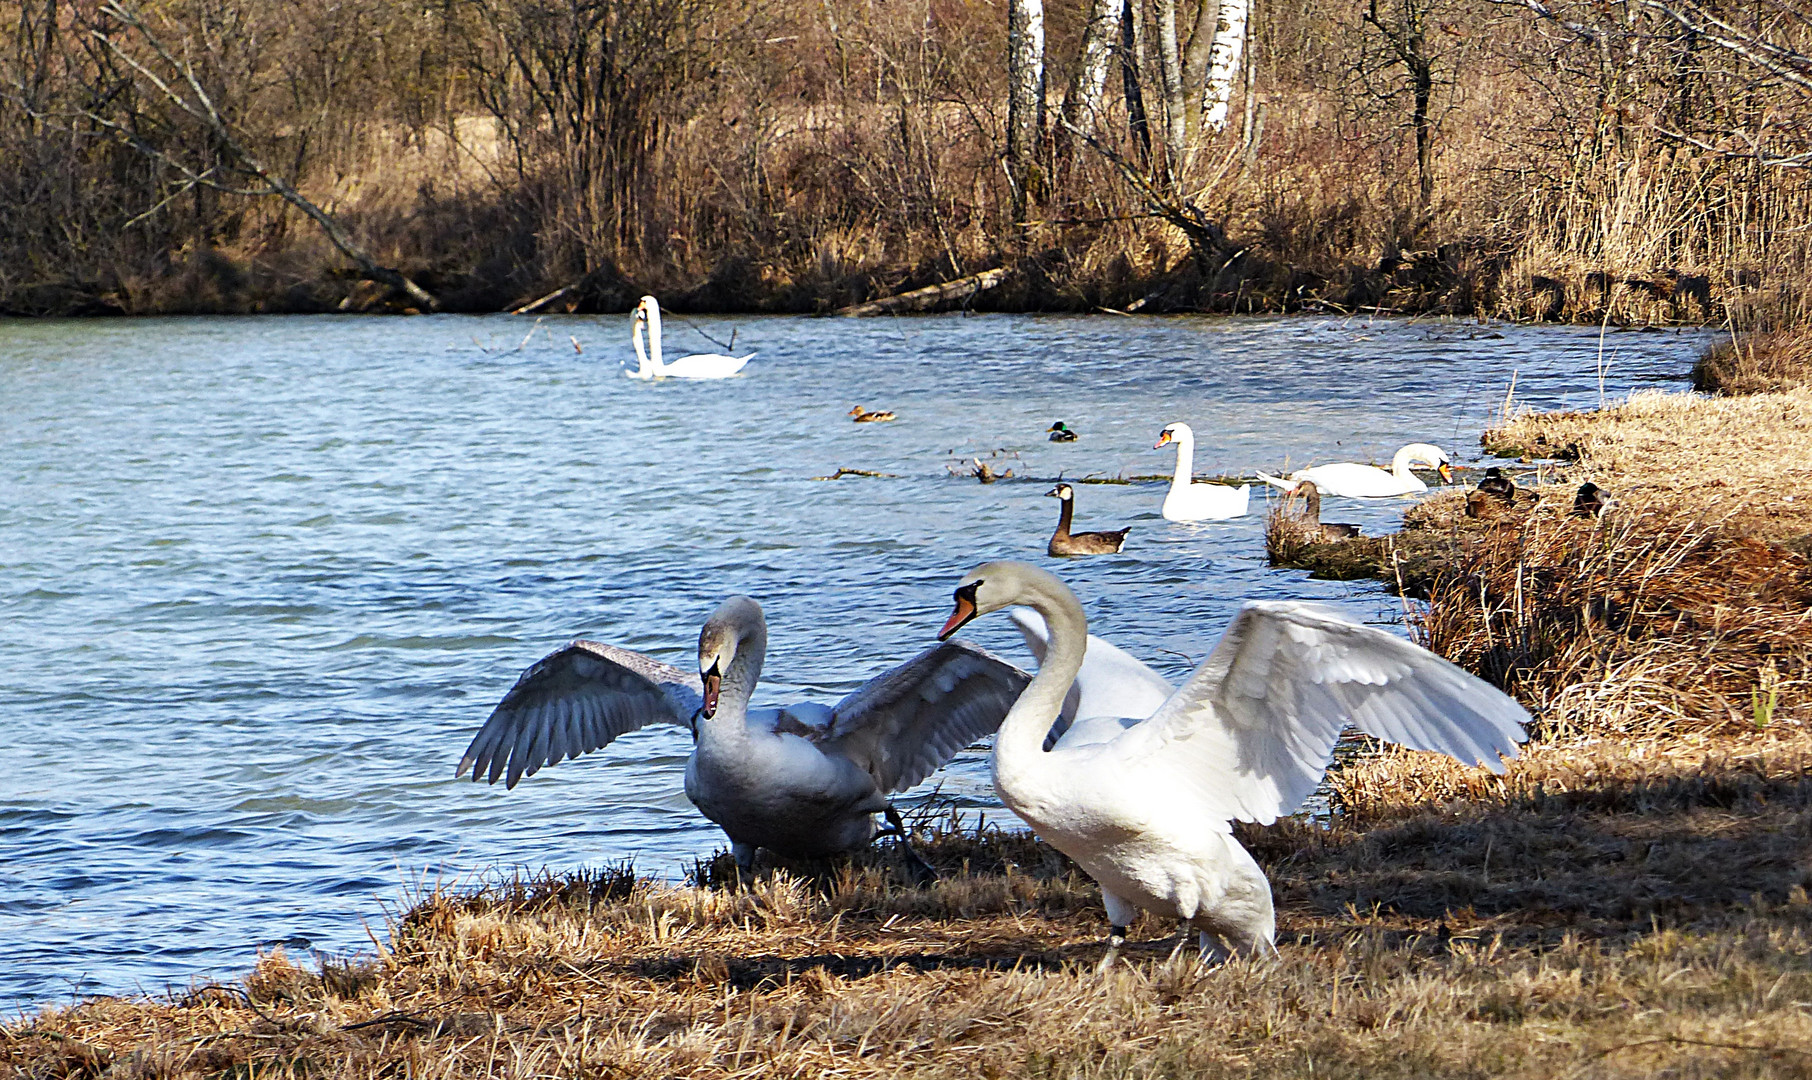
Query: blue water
[[262, 578]]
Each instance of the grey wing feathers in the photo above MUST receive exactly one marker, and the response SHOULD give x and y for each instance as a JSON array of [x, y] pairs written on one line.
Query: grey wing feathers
[[574, 701], [905, 724]]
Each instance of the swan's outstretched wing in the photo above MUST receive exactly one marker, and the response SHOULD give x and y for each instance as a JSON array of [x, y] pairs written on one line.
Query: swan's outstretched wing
[[1254, 728], [904, 724], [1112, 682], [573, 701]]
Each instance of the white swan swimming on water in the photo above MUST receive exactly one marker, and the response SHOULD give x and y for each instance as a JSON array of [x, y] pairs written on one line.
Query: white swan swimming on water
[[696, 366], [1352, 480], [802, 780], [1147, 811], [1190, 501]]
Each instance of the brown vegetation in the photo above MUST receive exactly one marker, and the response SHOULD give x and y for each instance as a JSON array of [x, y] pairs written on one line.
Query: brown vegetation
[[1755, 363], [1596, 912], [1612, 162]]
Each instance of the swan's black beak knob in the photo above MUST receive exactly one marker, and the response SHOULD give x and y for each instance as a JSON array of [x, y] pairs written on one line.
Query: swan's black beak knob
[[965, 610]]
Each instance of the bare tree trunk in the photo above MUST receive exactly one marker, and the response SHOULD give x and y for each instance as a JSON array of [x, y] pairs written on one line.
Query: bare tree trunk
[[1082, 102], [1132, 55], [1025, 101], [1176, 121], [1228, 50]]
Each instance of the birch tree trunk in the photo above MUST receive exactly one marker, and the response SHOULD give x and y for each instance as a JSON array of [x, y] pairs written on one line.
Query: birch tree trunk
[[1170, 63], [1082, 102], [1224, 58], [1025, 100]]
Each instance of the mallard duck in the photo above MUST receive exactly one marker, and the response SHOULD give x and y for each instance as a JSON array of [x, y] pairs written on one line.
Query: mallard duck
[[1482, 504], [1059, 433], [1498, 485], [863, 416], [1591, 501], [1064, 542], [1311, 514]]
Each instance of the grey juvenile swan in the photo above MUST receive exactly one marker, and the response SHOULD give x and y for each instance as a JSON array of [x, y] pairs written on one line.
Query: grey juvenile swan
[[1147, 809], [803, 781]]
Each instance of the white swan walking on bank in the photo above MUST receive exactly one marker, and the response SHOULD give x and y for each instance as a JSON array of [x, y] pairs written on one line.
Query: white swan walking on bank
[[805, 780], [1351, 480], [1190, 501], [696, 366], [1147, 811]]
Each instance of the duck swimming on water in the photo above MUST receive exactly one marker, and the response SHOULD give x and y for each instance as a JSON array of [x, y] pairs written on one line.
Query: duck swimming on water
[[1059, 433], [863, 416]]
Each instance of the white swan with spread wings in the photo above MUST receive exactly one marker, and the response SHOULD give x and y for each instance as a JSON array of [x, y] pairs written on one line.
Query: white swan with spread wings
[[1145, 802], [804, 780]]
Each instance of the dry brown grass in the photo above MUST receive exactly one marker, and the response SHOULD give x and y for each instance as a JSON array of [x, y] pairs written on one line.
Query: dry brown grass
[[1756, 363], [1648, 914]]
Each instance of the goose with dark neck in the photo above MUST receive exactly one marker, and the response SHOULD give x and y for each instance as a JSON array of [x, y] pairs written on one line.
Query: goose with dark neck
[[1065, 542], [1310, 495]]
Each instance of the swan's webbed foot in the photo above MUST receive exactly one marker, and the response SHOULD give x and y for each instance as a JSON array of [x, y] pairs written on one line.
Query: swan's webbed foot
[[1116, 937], [922, 872]]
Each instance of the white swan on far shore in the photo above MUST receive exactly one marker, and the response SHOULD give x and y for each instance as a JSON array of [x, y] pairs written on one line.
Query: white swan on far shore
[[1147, 810], [1352, 480], [1190, 501], [696, 366], [805, 780]]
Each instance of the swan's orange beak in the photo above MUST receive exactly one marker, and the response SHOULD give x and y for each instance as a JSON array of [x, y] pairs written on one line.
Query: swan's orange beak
[[1446, 473], [965, 610], [1163, 440], [714, 682]]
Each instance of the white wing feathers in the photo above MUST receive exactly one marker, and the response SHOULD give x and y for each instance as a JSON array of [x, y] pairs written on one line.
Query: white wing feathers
[[1254, 728], [905, 724], [1112, 682], [574, 701]]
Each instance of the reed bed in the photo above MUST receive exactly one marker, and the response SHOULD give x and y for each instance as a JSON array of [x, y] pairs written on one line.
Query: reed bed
[[1761, 362]]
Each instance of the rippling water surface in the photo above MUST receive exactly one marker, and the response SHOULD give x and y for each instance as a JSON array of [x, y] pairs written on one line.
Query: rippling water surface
[[260, 579]]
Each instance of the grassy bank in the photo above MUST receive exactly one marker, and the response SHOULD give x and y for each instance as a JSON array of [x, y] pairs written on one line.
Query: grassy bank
[[1590, 916]]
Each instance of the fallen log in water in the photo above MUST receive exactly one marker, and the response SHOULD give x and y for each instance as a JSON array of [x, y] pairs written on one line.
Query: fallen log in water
[[921, 299]]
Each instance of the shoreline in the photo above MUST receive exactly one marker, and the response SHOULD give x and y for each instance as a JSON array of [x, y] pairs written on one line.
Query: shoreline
[[1631, 896]]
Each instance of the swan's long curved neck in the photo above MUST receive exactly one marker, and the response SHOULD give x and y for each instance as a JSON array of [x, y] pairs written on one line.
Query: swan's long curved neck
[[1019, 747], [643, 367], [1185, 473], [1399, 465], [654, 334], [730, 725]]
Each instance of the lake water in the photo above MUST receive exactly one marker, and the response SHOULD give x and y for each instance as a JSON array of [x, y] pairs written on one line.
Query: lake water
[[262, 578]]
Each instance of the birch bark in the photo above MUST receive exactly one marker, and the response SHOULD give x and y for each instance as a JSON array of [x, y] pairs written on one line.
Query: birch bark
[[1082, 102], [1224, 61], [1025, 99]]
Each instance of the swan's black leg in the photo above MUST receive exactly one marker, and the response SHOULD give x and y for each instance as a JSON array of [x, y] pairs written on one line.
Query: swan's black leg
[[921, 871], [1116, 937], [745, 862]]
